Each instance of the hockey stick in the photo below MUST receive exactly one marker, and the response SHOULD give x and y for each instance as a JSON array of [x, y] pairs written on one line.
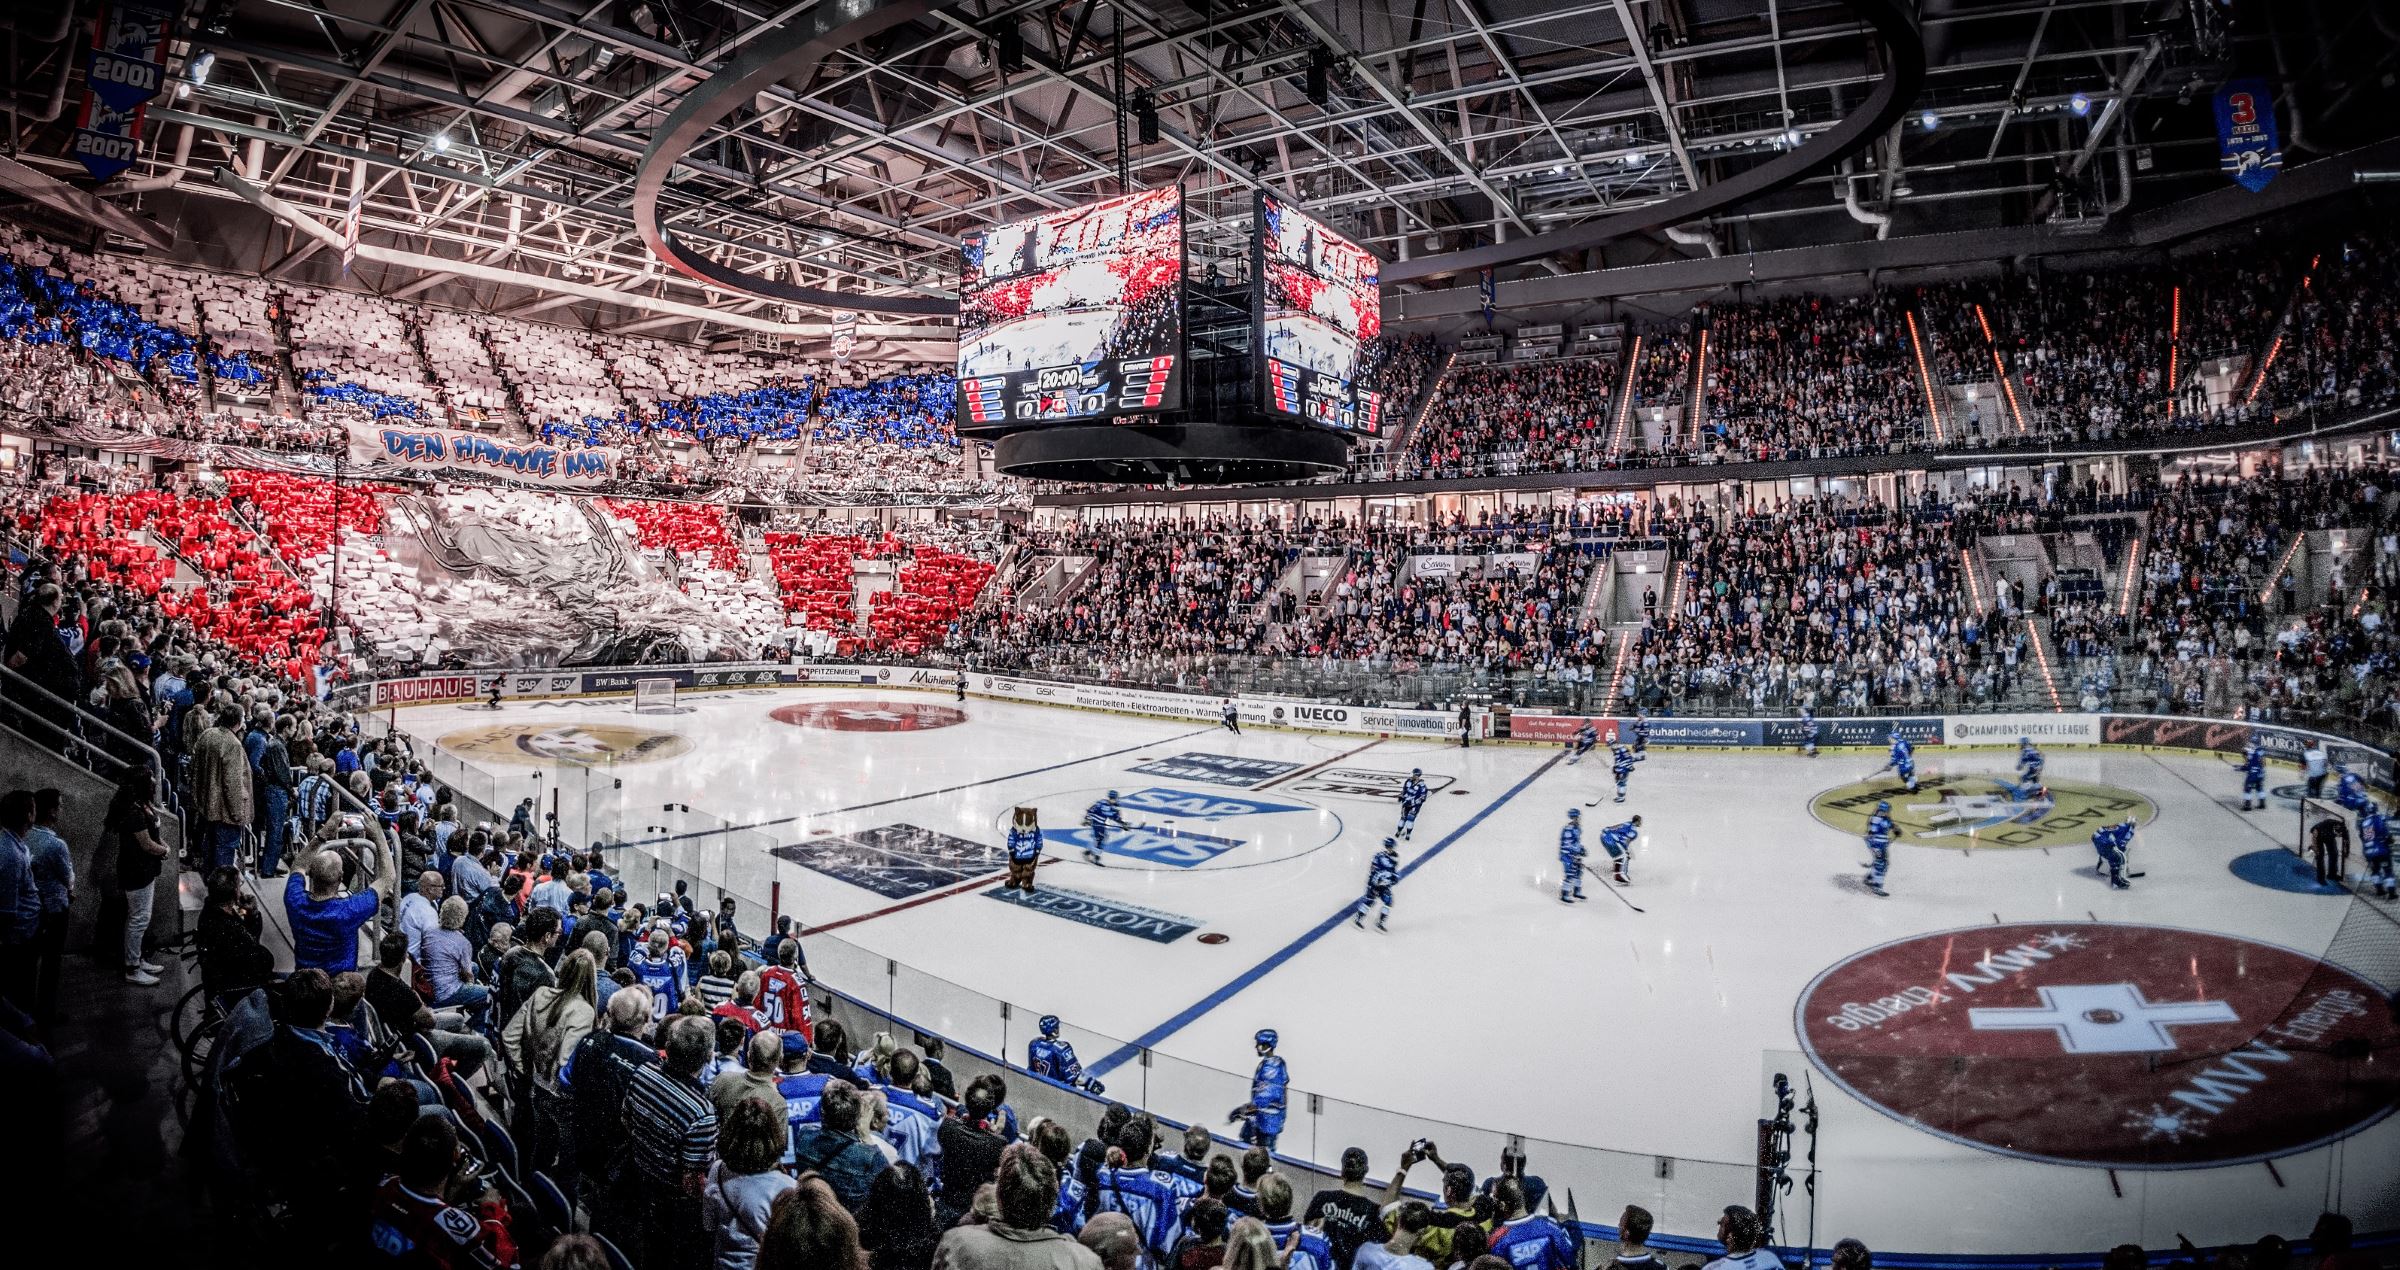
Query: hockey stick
[[1597, 879]]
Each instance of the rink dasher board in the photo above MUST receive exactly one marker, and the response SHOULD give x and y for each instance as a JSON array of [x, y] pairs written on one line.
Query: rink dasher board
[[2135, 733]]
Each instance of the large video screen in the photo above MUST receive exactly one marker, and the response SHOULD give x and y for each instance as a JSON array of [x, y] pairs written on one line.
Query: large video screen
[[1075, 314], [1320, 299]]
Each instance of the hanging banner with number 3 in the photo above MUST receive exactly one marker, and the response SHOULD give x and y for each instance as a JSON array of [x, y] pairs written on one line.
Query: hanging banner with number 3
[[2249, 147]]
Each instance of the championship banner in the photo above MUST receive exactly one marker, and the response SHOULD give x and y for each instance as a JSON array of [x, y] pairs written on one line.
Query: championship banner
[[845, 336], [436, 452], [2250, 149], [120, 78]]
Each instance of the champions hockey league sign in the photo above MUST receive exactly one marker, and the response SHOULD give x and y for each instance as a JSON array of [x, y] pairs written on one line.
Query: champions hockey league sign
[[2250, 150]]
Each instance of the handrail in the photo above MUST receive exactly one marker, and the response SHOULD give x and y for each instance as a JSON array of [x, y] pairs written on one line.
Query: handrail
[[86, 717]]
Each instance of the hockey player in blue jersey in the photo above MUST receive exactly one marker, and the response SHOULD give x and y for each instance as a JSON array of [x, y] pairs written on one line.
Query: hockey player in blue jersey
[[2351, 793], [2254, 775], [1586, 737], [1808, 731], [1570, 858], [1383, 873], [1879, 846], [1903, 761], [1270, 1090], [1620, 766], [2029, 771], [2375, 847], [1097, 818], [1054, 1059], [1618, 841], [1641, 732], [1412, 801], [2111, 843]]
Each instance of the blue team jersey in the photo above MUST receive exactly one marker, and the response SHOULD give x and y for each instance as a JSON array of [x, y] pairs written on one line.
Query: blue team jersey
[[1412, 795], [1384, 872], [1641, 731], [1054, 1059], [1586, 737], [1902, 755], [1533, 1243], [663, 976], [1142, 1197], [2352, 793], [1270, 1085], [1808, 721], [1619, 838], [1879, 830], [1102, 813], [1024, 844], [2112, 839], [914, 1130], [1621, 760], [1313, 1252], [2375, 835], [1570, 843], [2254, 763], [2029, 761]]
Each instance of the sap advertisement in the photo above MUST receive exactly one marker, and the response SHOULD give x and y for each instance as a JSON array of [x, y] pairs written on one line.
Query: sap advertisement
[[1320, 299], [1077, 314]]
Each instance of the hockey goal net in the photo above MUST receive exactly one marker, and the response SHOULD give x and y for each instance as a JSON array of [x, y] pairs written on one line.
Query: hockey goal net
[[2324, 838], [654, 696]]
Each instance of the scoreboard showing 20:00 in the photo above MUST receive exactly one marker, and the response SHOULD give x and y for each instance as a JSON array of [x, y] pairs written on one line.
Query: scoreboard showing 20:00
[[1071, 315]]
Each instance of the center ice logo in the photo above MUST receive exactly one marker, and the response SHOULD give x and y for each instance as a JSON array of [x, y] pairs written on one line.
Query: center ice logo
[[2106, 1045], [1974, 810], [1152, 831]]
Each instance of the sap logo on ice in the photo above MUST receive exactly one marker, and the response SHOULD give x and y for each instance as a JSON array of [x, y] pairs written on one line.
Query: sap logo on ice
[[1196, 805]]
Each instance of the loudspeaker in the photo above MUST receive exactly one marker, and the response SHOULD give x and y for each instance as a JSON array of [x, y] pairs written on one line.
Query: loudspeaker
[[1145, 116], [1320, 76], [1008, 48]]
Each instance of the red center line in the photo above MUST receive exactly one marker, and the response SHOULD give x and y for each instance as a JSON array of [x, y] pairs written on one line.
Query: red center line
[[927, 898], [1314, 767]]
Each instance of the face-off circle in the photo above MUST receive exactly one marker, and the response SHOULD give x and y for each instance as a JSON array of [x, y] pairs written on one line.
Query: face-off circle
[[2104, 1045], [1981, 812], [869, 716]]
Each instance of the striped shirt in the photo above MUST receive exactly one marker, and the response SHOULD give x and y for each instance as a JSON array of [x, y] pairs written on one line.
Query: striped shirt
[[670, 1128]]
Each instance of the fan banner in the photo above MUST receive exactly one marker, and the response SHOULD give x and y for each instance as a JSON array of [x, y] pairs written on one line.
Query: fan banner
[[436, 452]]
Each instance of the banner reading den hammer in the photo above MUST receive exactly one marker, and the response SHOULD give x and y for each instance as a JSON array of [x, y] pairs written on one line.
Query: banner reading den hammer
[[434, 451]]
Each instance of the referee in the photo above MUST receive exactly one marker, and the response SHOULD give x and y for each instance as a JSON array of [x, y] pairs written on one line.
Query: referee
[[2329, 848]]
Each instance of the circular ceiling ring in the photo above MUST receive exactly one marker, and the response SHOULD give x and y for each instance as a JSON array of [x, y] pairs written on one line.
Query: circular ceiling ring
[[791, 51], [1903, 46]]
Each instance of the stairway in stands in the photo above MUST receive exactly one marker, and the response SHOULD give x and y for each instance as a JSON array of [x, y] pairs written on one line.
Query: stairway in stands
[[1625, 373]]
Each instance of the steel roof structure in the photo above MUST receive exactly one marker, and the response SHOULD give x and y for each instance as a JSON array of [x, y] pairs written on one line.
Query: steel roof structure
[[497, 144]]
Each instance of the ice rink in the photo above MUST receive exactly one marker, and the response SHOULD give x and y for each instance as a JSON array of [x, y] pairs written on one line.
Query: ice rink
[[2003, 1036]]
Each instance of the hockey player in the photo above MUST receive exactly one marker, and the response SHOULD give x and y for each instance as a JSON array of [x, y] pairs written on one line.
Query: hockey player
[[2254, 775], [958, 685], [1903, 761], [1024, 850], [1879, 846], [1054, 1059], [1808, 731], [2111, 843], [1570, 858], [1097, 818], [2029, 770], [2351, 792], [1270, 1089], [1620, 765], [1586, 737], [1618, 841], [2375, 847], [1412, 801], [1641, 732], [1383, 873], [1230, 717]]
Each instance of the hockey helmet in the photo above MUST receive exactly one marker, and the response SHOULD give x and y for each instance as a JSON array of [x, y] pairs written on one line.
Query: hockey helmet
[[1416, 771], [1112, 795], [2025, 742], [1390, 843], [1265, 1039], [1048, 1025], [1883, 805], [1574, 813]]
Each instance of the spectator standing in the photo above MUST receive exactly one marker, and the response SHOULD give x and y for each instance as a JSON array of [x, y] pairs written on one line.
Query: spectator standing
[[744, 1183], [54, 881], [1020, 1238], [896, 1224], [670, 1140], [1399, 1252], [1347, 1215], [1527, 1241], [761, 1055], [1633, 1241], [1304, 1248], [132, 826], [971, 1144], [21, 901], [832, 1146], [1745, 1242], [601, 1067], [809, 1229], [525, 968], [220, 776]]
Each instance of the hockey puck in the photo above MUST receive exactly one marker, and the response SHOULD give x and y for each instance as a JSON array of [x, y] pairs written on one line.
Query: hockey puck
[[1214, 937]]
